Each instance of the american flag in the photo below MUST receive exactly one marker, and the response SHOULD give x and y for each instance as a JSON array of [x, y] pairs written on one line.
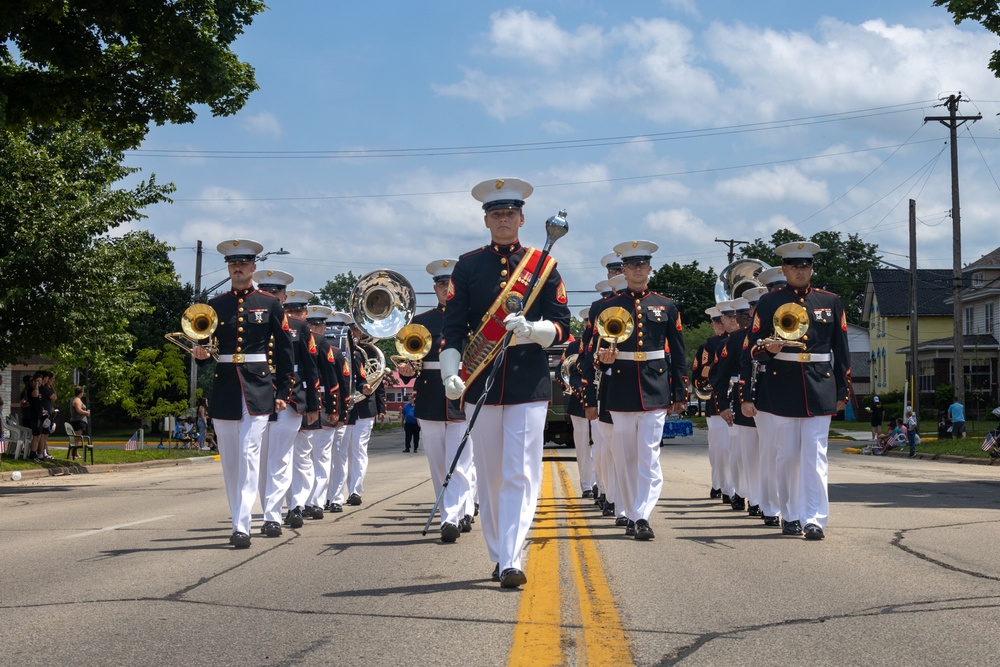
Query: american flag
[[989, 442], [133, 442]]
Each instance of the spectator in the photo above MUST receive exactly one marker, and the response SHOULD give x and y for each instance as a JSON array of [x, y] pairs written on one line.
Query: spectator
[[878, 416], [944, 426], [957, 413], [202, 422], [48, 395], [910, 422], [79, 419], [410, 425], [894, 438]]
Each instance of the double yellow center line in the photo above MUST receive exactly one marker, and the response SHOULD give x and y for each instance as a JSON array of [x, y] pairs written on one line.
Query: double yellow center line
[[567, 605]]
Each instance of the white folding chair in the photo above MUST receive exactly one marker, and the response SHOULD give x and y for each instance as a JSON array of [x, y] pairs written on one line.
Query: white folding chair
[[80, 441], [20, 438]]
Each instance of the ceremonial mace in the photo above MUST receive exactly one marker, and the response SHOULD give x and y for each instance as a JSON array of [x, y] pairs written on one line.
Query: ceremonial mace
[[556, 227]]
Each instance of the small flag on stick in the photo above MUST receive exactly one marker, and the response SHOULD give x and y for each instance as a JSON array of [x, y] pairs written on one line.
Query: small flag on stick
[[133, 442], [989, 442]]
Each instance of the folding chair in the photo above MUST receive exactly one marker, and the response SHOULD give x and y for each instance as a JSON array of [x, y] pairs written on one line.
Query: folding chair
[[20, 438], [82, 441]]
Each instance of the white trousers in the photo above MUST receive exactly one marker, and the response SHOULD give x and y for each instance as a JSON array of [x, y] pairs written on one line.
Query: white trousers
[[736, 470], [801, 444], [338, 464], [441, 441], [584, 455], [322, 454], [640, 434], [718, 454], [358, 455], [770, 503], [239, 453], [605, 461], [276, 452], [303, 471], [749, 462], [508, 462]]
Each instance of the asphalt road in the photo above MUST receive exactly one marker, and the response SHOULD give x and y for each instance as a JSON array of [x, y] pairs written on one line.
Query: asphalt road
[[133, 568]]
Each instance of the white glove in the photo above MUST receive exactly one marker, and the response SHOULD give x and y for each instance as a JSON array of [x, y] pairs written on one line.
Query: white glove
[[542, 332], [454, 387]]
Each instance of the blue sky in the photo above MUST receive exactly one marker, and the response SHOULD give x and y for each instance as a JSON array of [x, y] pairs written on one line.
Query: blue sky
[[676, 121]]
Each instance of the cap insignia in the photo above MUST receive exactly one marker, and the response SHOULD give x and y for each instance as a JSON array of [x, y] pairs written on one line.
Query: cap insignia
[[270, 273], [499, 183], [444, 263], [801, 246], [236, 243], [635, 244]]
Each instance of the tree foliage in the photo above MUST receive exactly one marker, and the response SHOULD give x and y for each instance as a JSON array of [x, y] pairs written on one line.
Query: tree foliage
[[157, 384], [986, 12], [842, 268], [117, 67], [64, 278], [692, 289], [337, 292]]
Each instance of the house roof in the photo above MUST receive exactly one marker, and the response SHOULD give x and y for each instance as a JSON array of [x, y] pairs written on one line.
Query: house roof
[[859, 366], [971, 342], [892, 289], [990, 260]]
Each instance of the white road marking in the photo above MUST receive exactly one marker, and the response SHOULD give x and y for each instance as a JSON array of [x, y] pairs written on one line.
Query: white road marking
[[124, 525]]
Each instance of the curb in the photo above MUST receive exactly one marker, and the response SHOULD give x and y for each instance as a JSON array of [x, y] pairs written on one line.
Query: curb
[[924, 456], [62, 471]]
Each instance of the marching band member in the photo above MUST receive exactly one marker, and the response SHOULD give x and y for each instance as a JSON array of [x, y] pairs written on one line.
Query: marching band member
[[718, 430], [362, 418], [441, 419], [487, 285], [734, 486], [244, 390], [330, 363], [647, 381], [804, 388], [578, 417], [701, 367], [340, 449]]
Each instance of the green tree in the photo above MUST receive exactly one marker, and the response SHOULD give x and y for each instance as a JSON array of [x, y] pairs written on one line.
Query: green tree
[[157, 385], [692, 289], [57, 202], [337, 292], [117, 67], [986, 12], [842, 268]]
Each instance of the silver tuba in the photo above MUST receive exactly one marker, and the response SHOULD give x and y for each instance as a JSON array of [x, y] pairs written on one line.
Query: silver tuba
[[737, 278], [565, 370], [381, 303]]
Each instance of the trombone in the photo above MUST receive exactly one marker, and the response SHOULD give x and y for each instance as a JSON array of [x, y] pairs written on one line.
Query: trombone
[[198, 322], [413, 342], [791, 322]]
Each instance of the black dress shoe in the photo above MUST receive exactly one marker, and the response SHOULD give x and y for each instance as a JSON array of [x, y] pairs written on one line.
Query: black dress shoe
[[465, 524], [643, 531], [588, 494], [621, 521], [726, 499], [476, 512], [791, 527], [738, 502], [271, 529], [449, 533], [313, 512], [354, 499], [593, 491], [609, 509], [630, 529], [715, 494], [512, 578], [772, 521], [496, 573], [754, 510], [406, 451], [336, 507], [814, 532], [601, 501], [240, 540], [294, 518]]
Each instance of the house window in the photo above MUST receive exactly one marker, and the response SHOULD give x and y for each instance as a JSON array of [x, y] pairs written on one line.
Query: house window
[[978, 376], [977, 279], [926, 377], [968, 321], [988, 318]]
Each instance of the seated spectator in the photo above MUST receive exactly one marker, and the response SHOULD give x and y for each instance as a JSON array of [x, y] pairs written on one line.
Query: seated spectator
[[894, 438]]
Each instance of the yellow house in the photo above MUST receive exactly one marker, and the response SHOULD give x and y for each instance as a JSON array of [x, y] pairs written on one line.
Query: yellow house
[[886, 311]]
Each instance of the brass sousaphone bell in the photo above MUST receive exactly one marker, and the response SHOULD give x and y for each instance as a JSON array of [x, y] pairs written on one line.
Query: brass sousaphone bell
[[198, 322]]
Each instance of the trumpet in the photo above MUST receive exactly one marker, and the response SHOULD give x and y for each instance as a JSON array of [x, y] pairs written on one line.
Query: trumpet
[[791, 322], [198, 322], [413, 342]]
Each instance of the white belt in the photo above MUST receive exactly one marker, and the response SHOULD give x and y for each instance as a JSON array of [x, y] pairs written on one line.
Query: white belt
[[240, 358], [432, 365], [295, 368], [642, 356], [803, 357]]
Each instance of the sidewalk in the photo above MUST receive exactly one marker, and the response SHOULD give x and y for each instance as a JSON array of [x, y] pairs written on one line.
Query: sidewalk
[[81, 469]]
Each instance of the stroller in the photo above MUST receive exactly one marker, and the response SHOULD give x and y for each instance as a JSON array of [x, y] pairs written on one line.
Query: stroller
[[990, 441]]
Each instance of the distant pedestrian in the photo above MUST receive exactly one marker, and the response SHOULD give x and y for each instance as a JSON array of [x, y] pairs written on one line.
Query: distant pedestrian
[[411, 428], [957, 413], [79, 417], [878, 416], [910, 422]]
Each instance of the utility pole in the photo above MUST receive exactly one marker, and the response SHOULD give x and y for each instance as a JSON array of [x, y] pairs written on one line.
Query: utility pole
[[914, 363], [193, 379], [952, 122], [732, 245]]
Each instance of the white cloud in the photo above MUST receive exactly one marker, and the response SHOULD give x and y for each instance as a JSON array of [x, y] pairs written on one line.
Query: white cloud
[[679, 225], [557, 127], [262, 124], [657, 191], [777, 184]]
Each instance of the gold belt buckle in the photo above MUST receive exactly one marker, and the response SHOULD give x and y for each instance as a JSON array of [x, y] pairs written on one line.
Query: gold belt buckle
[[804, 357], [640, 356], [239, 358]]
